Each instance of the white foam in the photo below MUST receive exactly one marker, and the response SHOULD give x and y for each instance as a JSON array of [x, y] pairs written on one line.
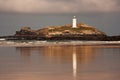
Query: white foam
[[43, 43], [2, 39]]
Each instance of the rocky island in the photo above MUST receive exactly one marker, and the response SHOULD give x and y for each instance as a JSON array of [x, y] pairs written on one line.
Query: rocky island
[[66, 32], [76, 31]]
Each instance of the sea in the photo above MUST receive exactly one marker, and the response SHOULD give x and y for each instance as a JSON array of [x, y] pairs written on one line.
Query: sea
[[60, 62]]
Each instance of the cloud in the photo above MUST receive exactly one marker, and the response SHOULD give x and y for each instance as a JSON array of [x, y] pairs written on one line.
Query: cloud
[[59, 6], [100, 5]]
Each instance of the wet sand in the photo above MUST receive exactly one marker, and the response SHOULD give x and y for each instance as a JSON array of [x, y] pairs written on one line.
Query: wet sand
[[60, 63]]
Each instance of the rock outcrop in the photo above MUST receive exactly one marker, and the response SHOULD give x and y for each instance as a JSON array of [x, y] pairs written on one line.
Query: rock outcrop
[[82, 32], [26, 31]]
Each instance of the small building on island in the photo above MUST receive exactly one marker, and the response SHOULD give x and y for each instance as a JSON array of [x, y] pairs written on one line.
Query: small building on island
[[74, 22]]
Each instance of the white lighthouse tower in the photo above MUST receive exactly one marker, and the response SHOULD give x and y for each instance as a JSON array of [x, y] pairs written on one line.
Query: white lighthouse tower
[[74, 22]]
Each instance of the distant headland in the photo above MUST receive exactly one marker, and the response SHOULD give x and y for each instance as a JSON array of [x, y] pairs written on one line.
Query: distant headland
[[76, 31]]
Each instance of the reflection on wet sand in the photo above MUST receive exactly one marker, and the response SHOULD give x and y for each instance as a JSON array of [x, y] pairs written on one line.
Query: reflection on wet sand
[[62, 54], [25, 52], [74, 63], [97, 62]]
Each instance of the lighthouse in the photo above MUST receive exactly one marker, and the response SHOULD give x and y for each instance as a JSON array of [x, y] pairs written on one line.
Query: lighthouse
[[74, 22]]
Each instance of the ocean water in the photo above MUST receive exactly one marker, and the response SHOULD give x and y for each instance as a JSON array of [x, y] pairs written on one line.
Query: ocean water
[[60, 63]]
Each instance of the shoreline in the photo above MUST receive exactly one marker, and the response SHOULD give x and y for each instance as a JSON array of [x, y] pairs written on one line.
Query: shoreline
[[57, 43]]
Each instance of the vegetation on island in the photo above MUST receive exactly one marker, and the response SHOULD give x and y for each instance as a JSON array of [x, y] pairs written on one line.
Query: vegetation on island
[[82, 31]]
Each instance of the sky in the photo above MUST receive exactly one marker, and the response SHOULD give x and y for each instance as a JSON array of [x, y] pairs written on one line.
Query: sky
[[59, 6], [103, 14]]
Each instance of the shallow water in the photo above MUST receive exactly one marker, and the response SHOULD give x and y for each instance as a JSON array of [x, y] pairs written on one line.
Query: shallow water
[[60, 63]]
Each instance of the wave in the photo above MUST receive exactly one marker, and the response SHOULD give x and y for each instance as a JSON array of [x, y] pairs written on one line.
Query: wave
[[47, 43]]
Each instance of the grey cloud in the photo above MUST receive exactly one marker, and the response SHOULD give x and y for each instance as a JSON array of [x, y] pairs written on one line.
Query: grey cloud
[[62, 0], [59, 6], [118, 2]]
